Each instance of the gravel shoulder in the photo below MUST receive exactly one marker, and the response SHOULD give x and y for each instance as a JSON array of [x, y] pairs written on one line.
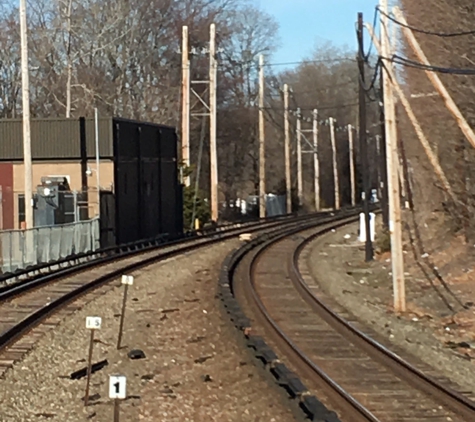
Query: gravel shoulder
[[195, 367], [422, 335]]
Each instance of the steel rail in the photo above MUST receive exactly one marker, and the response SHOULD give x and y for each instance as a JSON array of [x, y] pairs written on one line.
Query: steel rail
[[11, 335], [455, 401], [10, 291], [447, 397], [350, 404], [165, 239]]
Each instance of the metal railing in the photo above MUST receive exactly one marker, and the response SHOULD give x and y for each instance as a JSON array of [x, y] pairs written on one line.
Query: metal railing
[[23, 248]]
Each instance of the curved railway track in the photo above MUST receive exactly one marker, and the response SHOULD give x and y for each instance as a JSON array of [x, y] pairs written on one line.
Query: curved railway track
[[321, 342], [36, 302], [28, 274]]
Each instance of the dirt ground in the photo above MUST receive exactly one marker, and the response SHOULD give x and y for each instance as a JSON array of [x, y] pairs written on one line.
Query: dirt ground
[[195, 368], [429, 330]]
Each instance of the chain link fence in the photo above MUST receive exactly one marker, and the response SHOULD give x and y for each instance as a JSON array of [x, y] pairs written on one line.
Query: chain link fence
[[23, 248]]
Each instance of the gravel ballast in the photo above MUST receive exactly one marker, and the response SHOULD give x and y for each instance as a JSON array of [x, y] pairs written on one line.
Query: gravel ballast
[[195, 368]]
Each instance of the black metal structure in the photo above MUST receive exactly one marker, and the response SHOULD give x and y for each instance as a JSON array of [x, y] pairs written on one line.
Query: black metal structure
[[107, 219], [369, 252], [146, 186]]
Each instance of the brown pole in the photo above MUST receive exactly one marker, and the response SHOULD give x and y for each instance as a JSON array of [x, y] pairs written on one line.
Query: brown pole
[[89, 368], [122, 316], [116, 410], [364, 142]]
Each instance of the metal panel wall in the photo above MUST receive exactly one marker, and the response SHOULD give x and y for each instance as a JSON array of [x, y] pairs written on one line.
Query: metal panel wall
[[147, 201], [107, 220], [169, 180], [150, 179], [126, 181], [54, 139]]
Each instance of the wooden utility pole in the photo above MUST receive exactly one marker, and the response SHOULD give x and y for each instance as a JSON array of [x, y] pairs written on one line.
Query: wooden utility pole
[[382, 160], [288, 186], [364, 141], [213, 76], [395, 229], [352, 166], [262, 140], [299, 158], [185, 115], [25, 87], [98, 158], [70, 61], [433, 159], [316, 168], [335, 164], [434, 78]]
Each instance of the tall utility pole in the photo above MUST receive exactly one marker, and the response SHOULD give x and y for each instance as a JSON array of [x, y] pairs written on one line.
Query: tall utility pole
[[316, 168], [288, 186], [262, 140], [393, 180], [352, 165], [98, 157], [25, 87], [299, 158], [185, 115], [382, 161], [335, 164], [213, 76], [363, 140]]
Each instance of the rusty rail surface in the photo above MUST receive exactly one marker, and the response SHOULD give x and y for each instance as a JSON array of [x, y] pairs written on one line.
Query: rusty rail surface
[[277, 303]]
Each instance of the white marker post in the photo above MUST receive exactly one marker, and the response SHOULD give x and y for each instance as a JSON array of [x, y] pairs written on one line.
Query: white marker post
[[93, 324], [127, 280], [362, 236], [117, 391]]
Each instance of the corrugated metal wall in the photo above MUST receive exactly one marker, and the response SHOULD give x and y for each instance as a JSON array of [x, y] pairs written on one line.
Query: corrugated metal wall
[[54, 139]]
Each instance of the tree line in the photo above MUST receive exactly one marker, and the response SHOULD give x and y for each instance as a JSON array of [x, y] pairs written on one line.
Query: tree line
[[124, 58]]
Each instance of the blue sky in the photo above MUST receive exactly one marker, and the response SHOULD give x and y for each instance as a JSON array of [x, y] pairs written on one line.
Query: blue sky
[[306, 23]]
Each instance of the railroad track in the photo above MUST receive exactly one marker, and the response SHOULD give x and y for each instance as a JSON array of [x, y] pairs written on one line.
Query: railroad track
[[26, 275], [273, 298], [33, 305]]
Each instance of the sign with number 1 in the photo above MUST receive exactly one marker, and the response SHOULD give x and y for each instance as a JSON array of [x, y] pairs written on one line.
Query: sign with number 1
[[117, 387]]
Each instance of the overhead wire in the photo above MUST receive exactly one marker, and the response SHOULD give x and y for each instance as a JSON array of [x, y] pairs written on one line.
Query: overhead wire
[[374, 78], [360, 47], [426, 32], [417, 65]]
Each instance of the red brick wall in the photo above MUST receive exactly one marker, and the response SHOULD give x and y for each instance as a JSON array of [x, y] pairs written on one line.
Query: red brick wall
[[7, 206]]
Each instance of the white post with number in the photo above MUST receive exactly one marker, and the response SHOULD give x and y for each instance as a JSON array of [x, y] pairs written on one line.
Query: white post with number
[[92, 323], [117, 392]]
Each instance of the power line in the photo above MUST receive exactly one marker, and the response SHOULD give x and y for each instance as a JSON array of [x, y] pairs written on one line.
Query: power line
[[252, 64], [368, 54], [319, 89], [374, 78], [310, 108], [426, 32], [417, 65], [335, 60]]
